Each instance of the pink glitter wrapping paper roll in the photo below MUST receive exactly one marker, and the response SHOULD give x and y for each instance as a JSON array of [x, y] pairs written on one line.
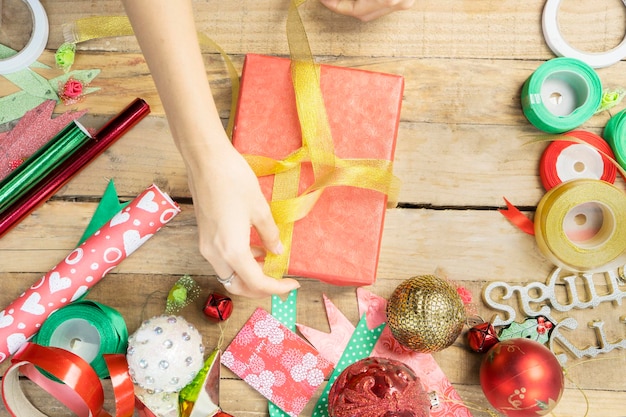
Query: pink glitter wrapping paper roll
[[105, 137], [85, 266]]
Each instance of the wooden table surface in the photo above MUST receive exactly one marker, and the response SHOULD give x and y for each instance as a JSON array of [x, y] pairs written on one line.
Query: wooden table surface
[[462, 147]]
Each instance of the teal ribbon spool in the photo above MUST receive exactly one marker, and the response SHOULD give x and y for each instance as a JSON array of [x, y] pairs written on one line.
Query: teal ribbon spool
[[562, 94], [88, 329], [615, 135]]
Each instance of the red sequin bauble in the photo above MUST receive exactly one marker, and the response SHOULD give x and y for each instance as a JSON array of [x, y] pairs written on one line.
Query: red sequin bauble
[[521, 378], [378, 387]]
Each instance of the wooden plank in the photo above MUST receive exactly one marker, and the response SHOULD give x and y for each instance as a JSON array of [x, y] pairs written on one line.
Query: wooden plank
[[413, 240], [437, 90], [461, 148], [504, 29]]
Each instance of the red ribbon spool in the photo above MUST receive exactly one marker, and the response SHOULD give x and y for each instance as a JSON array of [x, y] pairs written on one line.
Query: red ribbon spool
[[555, 161]]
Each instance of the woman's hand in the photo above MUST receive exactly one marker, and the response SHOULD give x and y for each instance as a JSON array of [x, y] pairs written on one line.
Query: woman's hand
[[367, 10], [227, 201], [226, 194]]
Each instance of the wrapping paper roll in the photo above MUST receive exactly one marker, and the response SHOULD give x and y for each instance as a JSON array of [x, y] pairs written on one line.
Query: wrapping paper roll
[[50, 184], [84, 266]]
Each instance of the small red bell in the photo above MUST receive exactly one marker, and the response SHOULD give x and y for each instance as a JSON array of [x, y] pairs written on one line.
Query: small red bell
[[482, 337], [218, 307]]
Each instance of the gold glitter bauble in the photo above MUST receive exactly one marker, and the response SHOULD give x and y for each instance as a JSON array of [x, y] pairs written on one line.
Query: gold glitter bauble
[[425, 313]]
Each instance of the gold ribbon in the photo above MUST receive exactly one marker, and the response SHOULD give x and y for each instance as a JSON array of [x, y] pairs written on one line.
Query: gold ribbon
[[317, 143], [96, 27], [317, 148]]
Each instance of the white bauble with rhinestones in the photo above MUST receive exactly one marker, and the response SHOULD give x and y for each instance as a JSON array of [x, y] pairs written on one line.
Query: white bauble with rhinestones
[[164, 354]]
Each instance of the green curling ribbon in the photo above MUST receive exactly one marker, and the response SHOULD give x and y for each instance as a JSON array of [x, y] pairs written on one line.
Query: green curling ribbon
[[615, 135], [28, 174], [88, 329], [562, 94]]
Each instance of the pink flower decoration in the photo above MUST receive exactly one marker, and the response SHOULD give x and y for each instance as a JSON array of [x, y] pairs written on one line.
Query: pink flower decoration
[[465, 294], [71, 92], [72, 88]]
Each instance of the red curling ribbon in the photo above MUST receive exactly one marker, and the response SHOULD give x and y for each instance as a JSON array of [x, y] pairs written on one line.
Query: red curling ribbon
[[518, 218], [80, 389], [53, 182], [123, 388], [565, 160]]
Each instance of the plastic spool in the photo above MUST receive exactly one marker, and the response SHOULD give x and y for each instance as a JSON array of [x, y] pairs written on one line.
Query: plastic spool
[[586, 156], [87, 329], [35, 45], [580, 226], [560, 47], [562, 94]]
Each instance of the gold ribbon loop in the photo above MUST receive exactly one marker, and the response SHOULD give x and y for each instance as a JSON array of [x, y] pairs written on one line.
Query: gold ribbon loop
[[317, 149]]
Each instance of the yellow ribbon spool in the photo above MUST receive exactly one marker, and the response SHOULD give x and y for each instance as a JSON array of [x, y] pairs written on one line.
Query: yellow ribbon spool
[[580, 225]]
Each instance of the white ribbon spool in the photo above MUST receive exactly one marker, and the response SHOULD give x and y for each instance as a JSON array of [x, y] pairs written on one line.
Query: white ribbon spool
[[35, 45], [560, 47]]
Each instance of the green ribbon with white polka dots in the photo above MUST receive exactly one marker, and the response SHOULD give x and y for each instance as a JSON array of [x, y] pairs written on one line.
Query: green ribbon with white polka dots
[[359, 347]]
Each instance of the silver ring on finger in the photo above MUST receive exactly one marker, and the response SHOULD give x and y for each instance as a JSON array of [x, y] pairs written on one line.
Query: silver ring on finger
[[226, 281]]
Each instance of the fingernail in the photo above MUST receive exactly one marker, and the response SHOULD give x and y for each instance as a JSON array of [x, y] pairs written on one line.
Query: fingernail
[[279, 249]]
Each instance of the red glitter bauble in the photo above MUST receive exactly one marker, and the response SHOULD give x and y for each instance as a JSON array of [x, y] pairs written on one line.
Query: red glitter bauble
[[521, 378], [378, 387]]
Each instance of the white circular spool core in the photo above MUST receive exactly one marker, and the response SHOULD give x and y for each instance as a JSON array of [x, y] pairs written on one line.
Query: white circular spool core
[[562, 92], [579, 161], [79, 337], [35, 45], [560, 47], [589, 225]]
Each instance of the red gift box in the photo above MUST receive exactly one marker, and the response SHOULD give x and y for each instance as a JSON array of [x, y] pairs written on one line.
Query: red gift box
[[338, 241]]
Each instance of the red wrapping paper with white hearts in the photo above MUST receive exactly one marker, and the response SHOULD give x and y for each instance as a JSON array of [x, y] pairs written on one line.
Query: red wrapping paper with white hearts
[[84, 267]]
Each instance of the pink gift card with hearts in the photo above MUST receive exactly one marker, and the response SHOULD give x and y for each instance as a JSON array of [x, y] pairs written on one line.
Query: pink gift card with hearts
[[275, 361]]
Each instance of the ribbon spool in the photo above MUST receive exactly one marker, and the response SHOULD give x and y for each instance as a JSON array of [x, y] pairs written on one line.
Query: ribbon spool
[[560, 47], [87, 329], [35, 45], [565, 160], [615, 135], [580, 225], [561, 95]]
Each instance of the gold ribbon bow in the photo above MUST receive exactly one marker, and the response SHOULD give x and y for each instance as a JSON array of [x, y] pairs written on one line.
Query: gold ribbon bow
[[317, 148]]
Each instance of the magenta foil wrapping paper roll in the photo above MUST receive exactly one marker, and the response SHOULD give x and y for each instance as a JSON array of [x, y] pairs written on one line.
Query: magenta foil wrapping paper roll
[[105, 137], [85, 266]]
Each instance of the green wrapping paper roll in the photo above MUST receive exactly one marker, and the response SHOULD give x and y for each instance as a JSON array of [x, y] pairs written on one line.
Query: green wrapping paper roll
[[88, 329], [615, 135], [28, 174], [562, 94]]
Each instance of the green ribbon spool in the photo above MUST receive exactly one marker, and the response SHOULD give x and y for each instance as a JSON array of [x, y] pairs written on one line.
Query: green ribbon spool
[[88, 329], [615, 135], [41, 163], [562, 94]]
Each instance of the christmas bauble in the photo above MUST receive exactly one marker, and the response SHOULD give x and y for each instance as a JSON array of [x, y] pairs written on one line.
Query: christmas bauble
[[482, 337], [521, 378], [425, 313], [378, 387], [218, 307], [164, 354]]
